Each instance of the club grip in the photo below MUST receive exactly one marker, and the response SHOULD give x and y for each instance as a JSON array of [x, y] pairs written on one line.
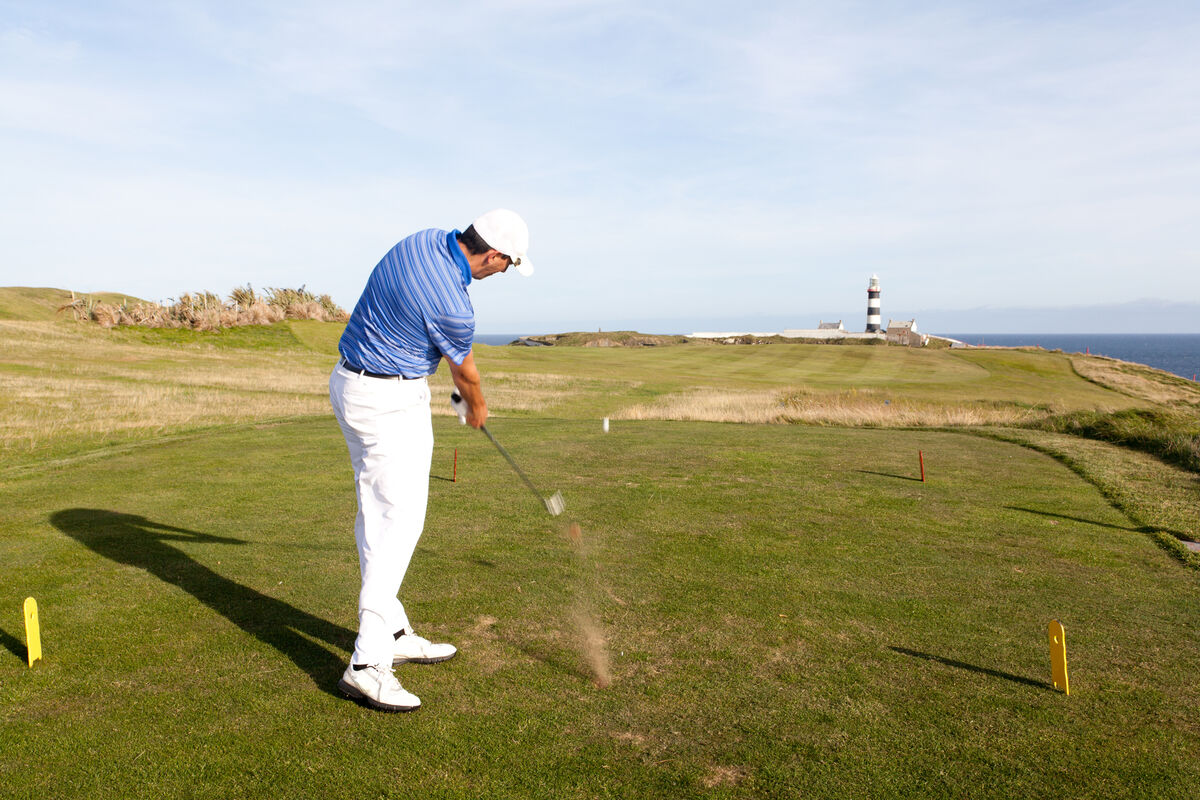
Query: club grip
[[460, 407]]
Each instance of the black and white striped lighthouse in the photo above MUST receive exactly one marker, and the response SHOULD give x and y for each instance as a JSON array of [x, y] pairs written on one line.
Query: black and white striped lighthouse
[[873, 305]]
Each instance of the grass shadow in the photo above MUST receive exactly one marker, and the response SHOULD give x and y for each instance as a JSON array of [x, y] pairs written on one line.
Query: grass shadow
[[1143, 529], [995, 673], [14, 645], [138, 542], [890, 475], [1069, 518], [440, 478]]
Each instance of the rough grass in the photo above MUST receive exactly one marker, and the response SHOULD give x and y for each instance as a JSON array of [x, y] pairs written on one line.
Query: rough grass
[[1172, 436], [68, 389], [1138, 380], [853, 408]]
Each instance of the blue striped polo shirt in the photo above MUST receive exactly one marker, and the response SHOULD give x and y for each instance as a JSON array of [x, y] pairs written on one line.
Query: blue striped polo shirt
[[414, 310]]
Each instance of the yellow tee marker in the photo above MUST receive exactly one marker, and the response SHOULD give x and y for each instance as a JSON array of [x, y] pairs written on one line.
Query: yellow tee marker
[[1058, 656], [33, 634]]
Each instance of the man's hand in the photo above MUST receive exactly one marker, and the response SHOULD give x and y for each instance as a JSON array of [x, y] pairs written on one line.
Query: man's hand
[[466, 378]]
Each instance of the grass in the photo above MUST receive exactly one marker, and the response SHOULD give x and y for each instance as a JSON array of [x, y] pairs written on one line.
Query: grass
[[70, 389], [43, 304], [1173, 437], [817, 622], [1156, 386], [1160, 498], [787, 610], [651, 375], [812, 383]]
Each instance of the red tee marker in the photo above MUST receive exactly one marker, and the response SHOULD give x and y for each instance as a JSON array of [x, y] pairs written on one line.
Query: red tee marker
[[921, 456], [455, 479]]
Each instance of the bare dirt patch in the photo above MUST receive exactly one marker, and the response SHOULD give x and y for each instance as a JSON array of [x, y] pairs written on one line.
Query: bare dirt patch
[[718, 775]]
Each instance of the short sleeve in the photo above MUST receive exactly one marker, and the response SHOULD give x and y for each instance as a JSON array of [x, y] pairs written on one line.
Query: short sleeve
[[452, 335]]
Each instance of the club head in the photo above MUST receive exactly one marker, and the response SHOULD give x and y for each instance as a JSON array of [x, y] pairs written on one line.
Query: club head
[[555, 504]]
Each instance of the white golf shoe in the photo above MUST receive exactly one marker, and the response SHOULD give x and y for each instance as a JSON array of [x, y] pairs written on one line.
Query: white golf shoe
[[377, 687], [419, 650]]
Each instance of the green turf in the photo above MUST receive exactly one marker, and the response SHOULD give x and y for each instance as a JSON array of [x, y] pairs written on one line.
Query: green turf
[[43, 304], [790, 613], [277, 336], [947, 376], [320, 337]]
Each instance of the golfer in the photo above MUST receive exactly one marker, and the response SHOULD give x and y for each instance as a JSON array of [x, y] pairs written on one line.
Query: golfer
[[414, 312]]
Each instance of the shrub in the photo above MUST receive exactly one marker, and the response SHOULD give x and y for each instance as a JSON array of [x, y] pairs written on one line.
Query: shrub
[[205, 311]]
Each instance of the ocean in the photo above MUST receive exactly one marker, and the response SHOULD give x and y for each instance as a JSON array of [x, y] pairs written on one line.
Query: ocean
[[499, 338], [1178, 353]]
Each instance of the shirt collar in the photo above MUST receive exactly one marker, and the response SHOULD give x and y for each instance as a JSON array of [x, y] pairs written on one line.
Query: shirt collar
[[457, 253]]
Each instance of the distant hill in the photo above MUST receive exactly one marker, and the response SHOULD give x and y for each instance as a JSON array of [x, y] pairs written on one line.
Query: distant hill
[[32, 303], [605, 339]]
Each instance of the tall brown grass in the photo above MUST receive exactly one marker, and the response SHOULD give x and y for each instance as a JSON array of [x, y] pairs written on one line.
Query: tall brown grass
[[42, 408], [207, 311], [66, 386], [871, 408]]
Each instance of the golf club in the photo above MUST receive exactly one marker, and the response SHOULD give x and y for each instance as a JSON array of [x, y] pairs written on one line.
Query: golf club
[[554, 504]]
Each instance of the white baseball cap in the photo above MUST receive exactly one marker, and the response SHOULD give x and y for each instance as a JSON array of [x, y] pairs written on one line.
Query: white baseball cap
[[505, 231]]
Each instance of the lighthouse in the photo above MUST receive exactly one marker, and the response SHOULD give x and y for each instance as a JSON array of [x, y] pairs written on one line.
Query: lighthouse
[[873, 305]]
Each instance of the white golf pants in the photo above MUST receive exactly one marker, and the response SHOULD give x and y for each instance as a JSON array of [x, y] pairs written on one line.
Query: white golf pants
[[390, 435]]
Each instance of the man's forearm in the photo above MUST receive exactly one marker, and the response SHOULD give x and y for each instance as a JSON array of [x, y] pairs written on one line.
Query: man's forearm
[[467, 380]]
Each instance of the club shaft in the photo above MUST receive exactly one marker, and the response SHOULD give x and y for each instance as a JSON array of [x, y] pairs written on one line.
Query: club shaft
[[509, 458]]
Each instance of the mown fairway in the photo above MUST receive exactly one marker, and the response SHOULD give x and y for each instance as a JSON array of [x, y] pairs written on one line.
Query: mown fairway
[[788, 611]]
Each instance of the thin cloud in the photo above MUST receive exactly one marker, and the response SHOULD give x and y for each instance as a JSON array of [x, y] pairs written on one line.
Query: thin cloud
[[741, 161]]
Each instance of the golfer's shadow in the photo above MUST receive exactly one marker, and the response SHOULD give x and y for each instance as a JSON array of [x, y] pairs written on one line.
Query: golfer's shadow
[[139, 542]]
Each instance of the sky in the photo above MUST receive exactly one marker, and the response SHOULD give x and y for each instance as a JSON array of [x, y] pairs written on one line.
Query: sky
[[682, 166]]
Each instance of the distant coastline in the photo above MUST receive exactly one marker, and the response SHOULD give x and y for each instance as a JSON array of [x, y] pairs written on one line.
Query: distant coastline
[[1177, 353]]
